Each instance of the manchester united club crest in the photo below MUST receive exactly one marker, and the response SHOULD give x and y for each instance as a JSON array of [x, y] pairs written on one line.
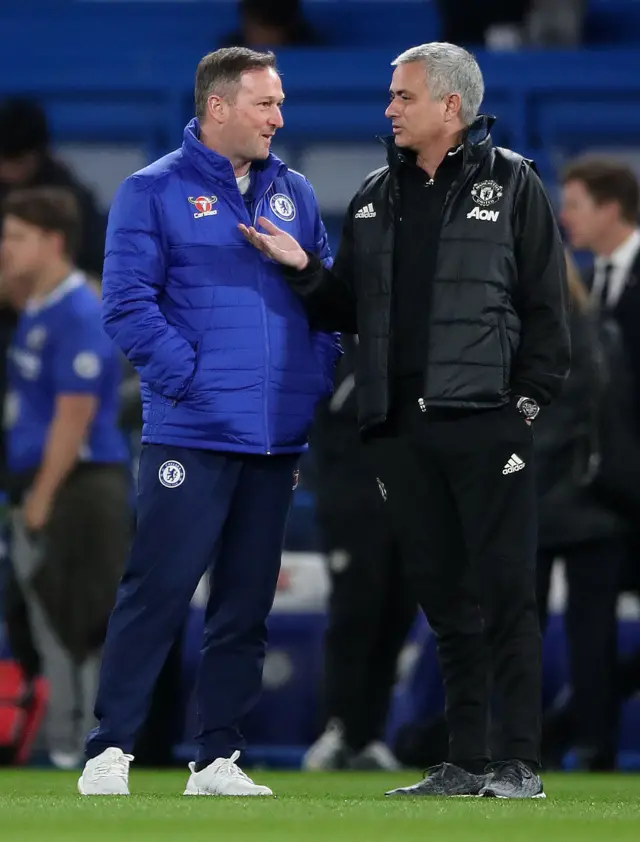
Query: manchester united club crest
[[203, 205], [486, 193]]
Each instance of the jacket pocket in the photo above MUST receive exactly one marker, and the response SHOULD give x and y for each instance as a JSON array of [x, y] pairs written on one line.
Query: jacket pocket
[[189, 385]]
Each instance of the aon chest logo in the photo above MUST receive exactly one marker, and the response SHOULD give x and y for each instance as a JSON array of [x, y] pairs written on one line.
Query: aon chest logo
[[483, 214]]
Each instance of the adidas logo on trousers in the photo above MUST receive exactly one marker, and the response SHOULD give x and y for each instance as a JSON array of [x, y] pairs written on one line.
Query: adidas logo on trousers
[[514, 464]]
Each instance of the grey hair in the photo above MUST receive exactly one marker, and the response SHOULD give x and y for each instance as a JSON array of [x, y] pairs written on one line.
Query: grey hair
[[450, 70]]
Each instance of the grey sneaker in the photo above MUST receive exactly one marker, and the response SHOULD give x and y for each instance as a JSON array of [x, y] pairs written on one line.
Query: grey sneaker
[[512, 779], [444, 779]]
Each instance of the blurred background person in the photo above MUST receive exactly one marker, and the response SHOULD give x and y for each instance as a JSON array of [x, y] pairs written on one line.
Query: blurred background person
[[512, 24], [371, 606], [473, 24], [553, 24], [272, 23], [26, 160], [587, 463], [68, 480], [600, 210]]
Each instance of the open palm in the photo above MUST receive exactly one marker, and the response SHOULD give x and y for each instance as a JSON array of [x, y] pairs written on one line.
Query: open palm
[[276, 244]]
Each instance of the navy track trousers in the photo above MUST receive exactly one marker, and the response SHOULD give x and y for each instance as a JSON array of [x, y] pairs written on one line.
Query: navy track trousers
[[197, 510]]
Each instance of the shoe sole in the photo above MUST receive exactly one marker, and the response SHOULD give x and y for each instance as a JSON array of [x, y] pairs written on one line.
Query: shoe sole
[[433, 795], [81, 790], [219, 795], [191, 790], [506, 797]]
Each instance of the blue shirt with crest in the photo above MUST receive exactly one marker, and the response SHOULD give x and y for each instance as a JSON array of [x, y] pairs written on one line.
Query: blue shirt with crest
[[60, 348]]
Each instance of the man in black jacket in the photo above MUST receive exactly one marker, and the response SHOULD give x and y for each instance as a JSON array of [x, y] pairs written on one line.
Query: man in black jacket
[[451, 270]]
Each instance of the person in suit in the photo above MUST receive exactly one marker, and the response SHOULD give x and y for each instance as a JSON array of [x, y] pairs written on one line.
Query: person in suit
[[600, 213], [600, 210], [584, 519]]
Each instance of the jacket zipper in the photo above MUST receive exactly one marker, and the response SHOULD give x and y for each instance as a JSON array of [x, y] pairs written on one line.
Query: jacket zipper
[[394, 207], [265, 404], [422, 403], [394, 191]]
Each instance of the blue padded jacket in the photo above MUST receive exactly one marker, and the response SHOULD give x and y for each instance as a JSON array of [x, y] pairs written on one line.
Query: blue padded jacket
[[226, 357]]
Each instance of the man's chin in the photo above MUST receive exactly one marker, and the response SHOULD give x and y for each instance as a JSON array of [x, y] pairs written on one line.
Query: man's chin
[[402, 142], [262, 154]]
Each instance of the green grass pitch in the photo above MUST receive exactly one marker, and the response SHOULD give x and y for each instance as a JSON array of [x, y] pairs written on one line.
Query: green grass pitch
[[43, 805]]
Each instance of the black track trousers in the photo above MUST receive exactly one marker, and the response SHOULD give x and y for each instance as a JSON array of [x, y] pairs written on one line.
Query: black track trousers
[[460, 490]]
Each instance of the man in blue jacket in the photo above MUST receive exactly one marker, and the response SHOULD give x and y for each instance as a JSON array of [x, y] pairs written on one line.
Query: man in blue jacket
[[231, 374]]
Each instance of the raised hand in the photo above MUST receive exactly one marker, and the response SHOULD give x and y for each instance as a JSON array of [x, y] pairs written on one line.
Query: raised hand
[[276, 244]]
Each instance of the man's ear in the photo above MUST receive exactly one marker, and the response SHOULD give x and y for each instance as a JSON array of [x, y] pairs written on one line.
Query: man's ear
[[217, 108], [453, 104]]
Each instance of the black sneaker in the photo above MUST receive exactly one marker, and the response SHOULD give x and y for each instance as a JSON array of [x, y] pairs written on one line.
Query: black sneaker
[[444, 779], [512, 779]]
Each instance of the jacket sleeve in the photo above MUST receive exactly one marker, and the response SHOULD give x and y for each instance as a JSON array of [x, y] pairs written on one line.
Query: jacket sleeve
[[328, 291], [543, 358], [133, 280], [327, 345]]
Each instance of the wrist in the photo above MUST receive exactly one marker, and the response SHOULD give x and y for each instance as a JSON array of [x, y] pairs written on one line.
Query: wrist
[[302, 262]]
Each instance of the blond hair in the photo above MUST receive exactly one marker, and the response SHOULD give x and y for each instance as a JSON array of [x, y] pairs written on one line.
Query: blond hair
[[578, 292]]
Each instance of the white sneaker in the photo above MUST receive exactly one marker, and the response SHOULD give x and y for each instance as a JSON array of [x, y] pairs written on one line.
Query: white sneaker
[[329, 750], [223, 777], [376, 755], [106, 774]]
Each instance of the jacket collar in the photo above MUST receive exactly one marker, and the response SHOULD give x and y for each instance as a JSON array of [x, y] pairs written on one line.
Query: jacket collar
[[476, 143], [216, 167]]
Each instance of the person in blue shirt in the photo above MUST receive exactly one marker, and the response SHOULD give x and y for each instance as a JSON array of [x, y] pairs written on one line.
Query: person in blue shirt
[[67, 472], [231, 374]]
